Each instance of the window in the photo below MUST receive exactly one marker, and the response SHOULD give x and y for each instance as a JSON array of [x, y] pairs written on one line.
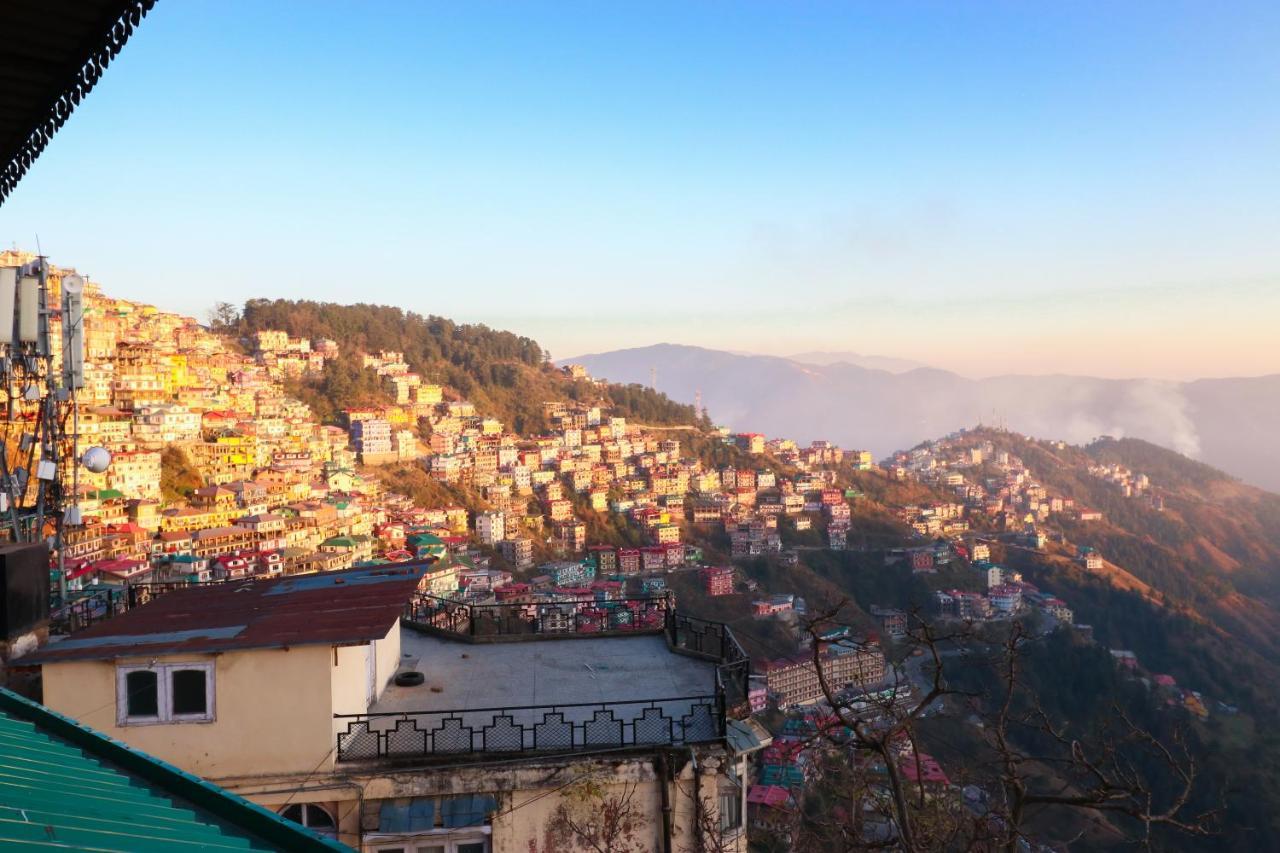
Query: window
[[142, 693], [164, 693], [189, 692], [433, 825], [313, 817], [730, 811]]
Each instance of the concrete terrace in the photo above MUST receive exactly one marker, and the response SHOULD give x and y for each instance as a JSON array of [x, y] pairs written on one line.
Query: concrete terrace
[[546, 694], [542, 672]]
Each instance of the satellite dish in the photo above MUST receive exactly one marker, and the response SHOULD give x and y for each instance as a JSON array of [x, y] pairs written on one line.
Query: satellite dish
[[96, 459]]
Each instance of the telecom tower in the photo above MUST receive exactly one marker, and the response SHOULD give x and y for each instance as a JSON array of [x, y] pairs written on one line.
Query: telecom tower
[[39, 452]]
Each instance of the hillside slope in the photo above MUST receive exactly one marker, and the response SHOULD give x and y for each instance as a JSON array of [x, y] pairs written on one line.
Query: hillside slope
[[1226, 422], [504, 374]]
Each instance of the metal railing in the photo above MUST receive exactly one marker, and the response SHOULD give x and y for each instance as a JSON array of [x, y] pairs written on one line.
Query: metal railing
[[715, 641], [530, 728], [100, 604], [87, 610], [515, 620]]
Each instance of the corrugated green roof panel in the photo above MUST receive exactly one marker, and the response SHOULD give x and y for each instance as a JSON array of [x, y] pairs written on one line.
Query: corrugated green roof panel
[[63, 785]]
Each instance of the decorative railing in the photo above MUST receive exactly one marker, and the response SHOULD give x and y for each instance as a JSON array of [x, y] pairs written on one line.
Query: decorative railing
[[531, 728], [555, 728], [515, 620], [714, 641]]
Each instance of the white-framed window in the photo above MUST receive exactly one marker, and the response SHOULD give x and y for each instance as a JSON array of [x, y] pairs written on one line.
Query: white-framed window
[[164, 693], [316, 818]]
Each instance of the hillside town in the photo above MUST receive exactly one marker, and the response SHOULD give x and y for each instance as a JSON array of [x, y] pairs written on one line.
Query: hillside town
[[221, 480]]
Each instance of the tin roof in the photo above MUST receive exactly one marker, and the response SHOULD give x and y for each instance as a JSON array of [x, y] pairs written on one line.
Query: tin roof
[[64, 785], [329, 608]]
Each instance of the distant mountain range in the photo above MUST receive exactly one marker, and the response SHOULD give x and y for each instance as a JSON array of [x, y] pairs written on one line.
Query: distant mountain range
[[1232, 424], [871, 362]]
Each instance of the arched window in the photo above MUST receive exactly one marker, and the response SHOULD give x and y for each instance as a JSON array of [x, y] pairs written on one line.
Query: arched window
[[313, 817]]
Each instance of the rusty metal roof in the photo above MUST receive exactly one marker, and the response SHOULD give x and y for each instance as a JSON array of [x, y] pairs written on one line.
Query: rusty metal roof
[[53, 53], [330, 608]]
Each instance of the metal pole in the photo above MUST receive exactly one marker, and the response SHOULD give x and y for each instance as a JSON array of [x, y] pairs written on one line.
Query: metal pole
[[75, 493]]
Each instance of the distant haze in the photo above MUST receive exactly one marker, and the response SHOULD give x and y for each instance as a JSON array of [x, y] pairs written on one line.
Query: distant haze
[[1228, 423], [871, 362]]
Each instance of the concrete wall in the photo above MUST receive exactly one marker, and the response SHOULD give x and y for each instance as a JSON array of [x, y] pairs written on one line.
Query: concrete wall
[[273, 711], [349, 682], [388, 652], [529, 796], [350, 678]]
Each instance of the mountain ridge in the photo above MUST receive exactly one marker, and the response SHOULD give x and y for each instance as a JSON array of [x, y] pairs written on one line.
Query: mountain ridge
[[1226, 422]]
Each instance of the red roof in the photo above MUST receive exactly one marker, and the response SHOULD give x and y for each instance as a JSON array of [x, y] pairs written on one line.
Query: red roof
[[331, 608], [928, 770], [774, 796]]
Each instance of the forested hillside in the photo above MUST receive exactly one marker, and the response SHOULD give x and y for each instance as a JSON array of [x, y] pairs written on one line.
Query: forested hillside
[[504, 374]]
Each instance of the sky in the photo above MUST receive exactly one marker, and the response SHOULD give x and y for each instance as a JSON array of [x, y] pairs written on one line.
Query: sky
[[989, 187]]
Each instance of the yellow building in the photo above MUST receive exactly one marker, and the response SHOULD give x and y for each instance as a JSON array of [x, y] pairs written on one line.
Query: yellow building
[[308, 695]]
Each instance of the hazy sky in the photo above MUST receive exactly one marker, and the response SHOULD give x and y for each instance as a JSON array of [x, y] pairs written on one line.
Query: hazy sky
[[991, 187]]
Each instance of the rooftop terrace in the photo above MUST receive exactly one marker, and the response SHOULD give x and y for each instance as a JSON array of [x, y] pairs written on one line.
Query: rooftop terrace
[[675, 683], [601, 669]]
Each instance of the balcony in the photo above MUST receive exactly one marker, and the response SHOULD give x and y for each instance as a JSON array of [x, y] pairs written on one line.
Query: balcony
[[628, 681]]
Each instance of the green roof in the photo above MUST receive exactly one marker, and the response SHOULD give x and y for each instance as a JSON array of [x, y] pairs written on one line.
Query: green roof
[[64, 785]]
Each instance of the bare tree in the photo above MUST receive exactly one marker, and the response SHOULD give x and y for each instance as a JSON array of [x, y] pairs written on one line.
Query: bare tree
[[866, 788], [1100, 773], [591, 818]]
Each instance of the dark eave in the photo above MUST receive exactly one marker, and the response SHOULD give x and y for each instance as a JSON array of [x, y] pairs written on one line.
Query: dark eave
[[52, 53]]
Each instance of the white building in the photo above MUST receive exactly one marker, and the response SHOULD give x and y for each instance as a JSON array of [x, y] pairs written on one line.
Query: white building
[[491, 527]]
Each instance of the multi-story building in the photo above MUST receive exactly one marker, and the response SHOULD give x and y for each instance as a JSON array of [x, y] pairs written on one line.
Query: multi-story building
[[491, 527], [518, 551], [892, 621], [571, 537], [135, 473], [1006, 598], [717, 580], [371, 438], [308, 696], [846, 665]]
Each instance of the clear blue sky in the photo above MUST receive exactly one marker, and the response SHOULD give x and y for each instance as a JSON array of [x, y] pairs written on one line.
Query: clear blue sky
[[1074, 187]]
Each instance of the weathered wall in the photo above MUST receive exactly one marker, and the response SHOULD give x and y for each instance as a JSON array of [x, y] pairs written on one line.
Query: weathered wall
[[273, 711]]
